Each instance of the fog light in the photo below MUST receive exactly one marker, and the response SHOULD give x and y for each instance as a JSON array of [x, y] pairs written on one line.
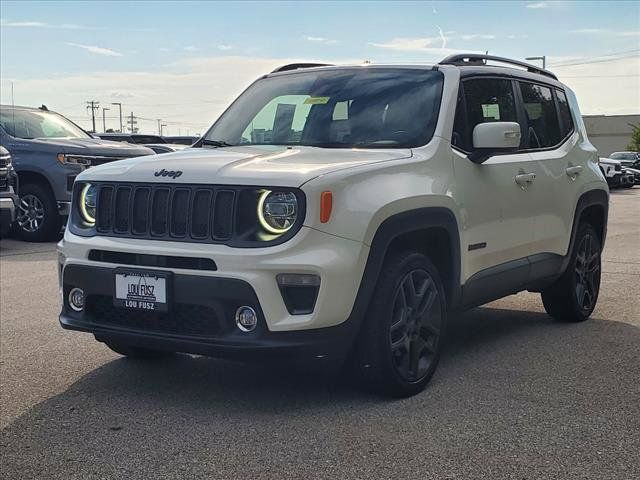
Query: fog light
[[246, 319], [76, 299]]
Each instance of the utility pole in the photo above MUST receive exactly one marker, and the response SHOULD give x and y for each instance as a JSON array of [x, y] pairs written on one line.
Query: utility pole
[[132, 122], [104, 120], [93, 105], [119, 108], [159, 126], [543, 58]]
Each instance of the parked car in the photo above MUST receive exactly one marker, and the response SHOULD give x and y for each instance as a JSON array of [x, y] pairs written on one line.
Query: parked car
[[136, 138], [340, 212], [181, 140], [612, 171], [628, 159], [48, 152], [636, 174], [154, 142], [8, 196], [628, 177]]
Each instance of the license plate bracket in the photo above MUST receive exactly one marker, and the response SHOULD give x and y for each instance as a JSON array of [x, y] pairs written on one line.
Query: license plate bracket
[[146, 290]]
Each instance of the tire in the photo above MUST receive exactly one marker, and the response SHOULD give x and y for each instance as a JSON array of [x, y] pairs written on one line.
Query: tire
[[398, 349], [573, 297], [130, 351], [37, 219]]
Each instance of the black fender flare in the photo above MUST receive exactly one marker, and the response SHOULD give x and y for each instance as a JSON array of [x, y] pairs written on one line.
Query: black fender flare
[[392, 228], [597, 197]]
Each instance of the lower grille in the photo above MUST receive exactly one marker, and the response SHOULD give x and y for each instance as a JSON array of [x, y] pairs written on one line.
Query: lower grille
[[183, 319]]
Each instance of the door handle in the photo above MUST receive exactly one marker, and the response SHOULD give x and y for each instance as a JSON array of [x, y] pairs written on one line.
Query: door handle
[[524, 179], [573, 172]]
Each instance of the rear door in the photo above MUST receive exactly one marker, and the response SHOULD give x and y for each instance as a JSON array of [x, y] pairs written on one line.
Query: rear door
[[551, 141], [497, 224]]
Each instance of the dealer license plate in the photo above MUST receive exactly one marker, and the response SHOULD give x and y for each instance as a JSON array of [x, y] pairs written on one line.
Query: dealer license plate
[[141, 290]]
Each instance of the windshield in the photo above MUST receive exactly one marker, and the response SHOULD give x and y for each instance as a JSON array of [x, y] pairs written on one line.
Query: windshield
[[624, 156], [359, 107], [38, 124]]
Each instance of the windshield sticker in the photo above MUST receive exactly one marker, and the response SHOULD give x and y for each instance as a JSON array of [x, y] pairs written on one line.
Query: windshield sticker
[[317, 100]]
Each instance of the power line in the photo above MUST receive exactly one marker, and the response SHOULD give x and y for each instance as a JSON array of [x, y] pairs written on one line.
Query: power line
[[598, 59]]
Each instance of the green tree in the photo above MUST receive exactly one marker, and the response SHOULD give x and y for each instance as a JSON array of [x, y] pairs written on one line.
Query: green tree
[[634, 144]]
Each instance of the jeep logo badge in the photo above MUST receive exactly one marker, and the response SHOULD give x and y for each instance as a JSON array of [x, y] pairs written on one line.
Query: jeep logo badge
[[170, 173]]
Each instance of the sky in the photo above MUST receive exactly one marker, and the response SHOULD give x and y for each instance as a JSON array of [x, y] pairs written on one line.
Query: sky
[[185, 62]]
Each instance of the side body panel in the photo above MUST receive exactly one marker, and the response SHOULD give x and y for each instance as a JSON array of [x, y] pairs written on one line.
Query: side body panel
[[563, 175]]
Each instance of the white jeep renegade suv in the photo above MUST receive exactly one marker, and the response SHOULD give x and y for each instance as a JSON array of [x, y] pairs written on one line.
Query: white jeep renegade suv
[[336, 210]]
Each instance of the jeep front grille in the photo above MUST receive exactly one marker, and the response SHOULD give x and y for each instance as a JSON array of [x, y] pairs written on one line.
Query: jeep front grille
[[173, 212]]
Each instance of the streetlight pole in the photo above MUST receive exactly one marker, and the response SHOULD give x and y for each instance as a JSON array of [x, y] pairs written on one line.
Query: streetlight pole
[[543, 58], [104, 120], [120, 108]]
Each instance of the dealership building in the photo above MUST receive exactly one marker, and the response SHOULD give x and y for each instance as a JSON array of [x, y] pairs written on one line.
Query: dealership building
[[610, 133]]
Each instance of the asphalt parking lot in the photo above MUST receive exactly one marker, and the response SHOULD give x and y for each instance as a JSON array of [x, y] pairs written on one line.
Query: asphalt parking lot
[[516, 395]]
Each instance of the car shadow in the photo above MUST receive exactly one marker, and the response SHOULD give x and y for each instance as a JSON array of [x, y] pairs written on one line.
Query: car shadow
[[499, 365]]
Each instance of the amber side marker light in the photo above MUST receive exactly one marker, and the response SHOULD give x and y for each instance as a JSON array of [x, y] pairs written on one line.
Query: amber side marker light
[[326, 204]]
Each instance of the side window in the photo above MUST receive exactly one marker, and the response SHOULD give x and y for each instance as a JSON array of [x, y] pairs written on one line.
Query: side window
[[487, 100], [543, 127], [566, 122]]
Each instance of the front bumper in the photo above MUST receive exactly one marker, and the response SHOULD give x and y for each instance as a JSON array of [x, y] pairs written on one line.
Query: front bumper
[[241, 277], [8, 208], [200, 321]]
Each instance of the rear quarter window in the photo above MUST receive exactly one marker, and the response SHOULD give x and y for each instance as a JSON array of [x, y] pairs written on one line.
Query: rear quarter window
[[566, 121]]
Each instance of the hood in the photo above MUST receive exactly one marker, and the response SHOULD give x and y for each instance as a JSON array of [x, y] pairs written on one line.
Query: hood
[[86, 146], [255, 165], [609, 161]]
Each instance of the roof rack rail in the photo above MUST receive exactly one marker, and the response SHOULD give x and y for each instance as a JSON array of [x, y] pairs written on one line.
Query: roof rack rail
[[479, 59], [296, 66]]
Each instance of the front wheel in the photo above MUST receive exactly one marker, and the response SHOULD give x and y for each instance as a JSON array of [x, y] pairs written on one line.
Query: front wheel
[[573, 297], [401, 339], [37, 219]]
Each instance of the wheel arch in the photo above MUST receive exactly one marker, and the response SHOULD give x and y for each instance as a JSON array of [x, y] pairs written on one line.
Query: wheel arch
[[421, 229], [33, 176], [592, 207]]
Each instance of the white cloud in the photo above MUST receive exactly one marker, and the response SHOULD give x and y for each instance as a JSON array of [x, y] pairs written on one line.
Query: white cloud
[[97, 50], [164, 49], [478, 36], [191, 48], [224, 47], [603, 31], [408, 44], [37, 24], [538, 5], [25, 24], [587, 30], [323, 40]]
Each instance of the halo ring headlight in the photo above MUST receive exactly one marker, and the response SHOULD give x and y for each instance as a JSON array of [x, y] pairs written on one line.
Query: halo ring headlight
[[277, 211], [88, 203]]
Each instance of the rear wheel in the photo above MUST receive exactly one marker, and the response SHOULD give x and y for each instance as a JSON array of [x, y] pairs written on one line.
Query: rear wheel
[[399, 347], [136, 352], [573, 297], [37, 219]]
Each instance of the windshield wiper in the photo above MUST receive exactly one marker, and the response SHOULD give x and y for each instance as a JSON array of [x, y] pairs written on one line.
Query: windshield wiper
[[216, 143]]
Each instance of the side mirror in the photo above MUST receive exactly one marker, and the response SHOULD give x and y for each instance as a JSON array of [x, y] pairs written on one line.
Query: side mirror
[[494, 137]]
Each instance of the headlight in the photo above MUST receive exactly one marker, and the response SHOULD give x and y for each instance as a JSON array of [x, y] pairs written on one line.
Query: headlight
[[277, 211], [88, 203], [68, 159]]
